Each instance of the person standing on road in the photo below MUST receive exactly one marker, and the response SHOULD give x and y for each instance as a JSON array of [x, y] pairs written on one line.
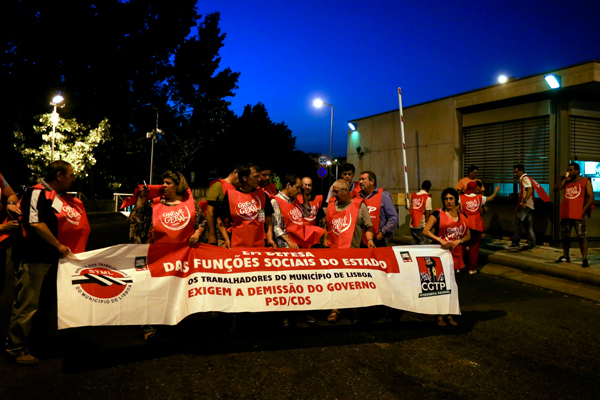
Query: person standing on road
[[55, 225], [578, 200], [473, 172], [9, 226], [471, 205], [264, 181], [420, 211], [249, 209], [348, 172], [312, 208], [347, 218], [452, 231], [216, 194], [524, 214], [167, 219], [289, 229], [381, 209]]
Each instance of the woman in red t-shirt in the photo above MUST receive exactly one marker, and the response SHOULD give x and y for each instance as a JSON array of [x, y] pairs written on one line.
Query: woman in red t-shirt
[[452, 231]]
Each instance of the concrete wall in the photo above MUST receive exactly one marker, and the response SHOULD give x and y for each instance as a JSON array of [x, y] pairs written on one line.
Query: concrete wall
[[434, 126], [433, 140]]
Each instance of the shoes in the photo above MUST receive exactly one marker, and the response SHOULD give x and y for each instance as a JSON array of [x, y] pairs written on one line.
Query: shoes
[[513, 247], [585, 263], [23, 358], [563, 259], [333, 317], [150, 337], [472, 271]]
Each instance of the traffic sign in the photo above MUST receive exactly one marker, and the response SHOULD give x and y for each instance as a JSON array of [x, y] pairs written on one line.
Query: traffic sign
[[323, 160], [322, 172]]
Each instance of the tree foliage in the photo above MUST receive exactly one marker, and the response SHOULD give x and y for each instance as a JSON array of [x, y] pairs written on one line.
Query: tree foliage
[[119, 60], [126, 60], [74, 143]]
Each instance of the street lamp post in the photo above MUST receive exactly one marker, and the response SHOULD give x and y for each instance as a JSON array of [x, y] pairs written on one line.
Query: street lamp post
[[318, 103], [56, 100], [153, 136]]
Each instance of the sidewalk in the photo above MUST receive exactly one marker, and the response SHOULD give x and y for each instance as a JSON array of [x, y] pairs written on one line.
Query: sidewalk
[[540, 260]]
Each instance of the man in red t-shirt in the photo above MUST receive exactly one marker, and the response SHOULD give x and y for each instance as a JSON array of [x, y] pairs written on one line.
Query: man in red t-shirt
[[577, 201]]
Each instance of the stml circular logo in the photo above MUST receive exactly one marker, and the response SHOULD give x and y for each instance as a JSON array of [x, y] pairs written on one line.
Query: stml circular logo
[[102, 283]]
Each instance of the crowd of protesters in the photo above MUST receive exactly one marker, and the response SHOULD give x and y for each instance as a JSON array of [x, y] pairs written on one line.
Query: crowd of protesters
[[249, 208]]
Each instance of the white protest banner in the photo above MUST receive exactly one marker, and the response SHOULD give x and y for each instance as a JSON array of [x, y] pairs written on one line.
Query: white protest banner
[[163, 283]]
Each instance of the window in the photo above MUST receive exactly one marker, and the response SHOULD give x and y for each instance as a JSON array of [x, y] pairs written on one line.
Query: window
[[495, 148]]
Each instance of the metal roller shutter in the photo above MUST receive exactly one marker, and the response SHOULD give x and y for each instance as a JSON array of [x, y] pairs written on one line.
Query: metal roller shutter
[[495, 148], [585, 138]]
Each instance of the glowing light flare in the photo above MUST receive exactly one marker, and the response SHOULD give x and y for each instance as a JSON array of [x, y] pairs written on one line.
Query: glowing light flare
[[552, 81], [351, 126], [318, 103], [57, 99], [502, 79]]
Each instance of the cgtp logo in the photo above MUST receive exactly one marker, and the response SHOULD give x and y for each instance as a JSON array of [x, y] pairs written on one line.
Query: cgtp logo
[[417, 203], [433, 279], [342, 224], [296, 216], [177, 219], [372, 209], [248, 209], [472, 205], [101, 283], [72, 213], [573, 192]]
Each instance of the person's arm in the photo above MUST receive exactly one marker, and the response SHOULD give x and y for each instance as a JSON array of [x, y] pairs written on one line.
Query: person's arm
[[387, 206], [564, 179], [493, 196], [142, 196], [326, 239], [526, 196], [431, 222], [269, 225], [42, 230], [11, 202], [200, 225], [211, 222], [589, 192], [214, 197], [369, 235], [222, 215]]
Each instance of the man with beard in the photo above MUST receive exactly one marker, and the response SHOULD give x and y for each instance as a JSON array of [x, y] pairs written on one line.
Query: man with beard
[[578, 200]]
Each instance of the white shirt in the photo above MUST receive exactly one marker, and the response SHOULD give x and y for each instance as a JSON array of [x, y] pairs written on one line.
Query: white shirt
[[526, 182]]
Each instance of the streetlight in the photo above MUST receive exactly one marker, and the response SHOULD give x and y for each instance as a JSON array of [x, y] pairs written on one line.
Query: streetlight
[[154, 136], [56, 100], [319, 103]]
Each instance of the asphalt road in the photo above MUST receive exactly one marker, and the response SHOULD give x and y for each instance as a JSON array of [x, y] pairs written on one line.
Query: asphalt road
[[514, 341]]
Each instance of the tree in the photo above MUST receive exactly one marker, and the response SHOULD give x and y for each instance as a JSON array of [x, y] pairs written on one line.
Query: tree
[[119, 60], [74, 143]]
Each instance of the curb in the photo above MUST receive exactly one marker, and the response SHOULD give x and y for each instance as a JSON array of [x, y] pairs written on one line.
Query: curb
[[540, 268], [537, 267]]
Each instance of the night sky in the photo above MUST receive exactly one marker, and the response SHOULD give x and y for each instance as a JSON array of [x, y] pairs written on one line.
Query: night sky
[[355, 54]]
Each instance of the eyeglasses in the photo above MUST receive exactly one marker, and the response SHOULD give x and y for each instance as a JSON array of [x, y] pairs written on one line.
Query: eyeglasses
[[334, 192]]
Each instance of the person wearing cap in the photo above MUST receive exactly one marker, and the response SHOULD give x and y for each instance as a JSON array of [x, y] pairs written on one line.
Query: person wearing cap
[[471, 204]]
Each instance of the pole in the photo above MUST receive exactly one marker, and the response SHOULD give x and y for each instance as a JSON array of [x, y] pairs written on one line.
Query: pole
[[154, 136], [331, 135], [54, 121], [407, 200]]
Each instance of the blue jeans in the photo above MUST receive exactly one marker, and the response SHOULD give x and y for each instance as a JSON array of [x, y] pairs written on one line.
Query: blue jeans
[[524, 221]]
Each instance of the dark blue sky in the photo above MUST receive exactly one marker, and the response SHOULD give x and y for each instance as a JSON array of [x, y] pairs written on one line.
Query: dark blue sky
[[355, 54]]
